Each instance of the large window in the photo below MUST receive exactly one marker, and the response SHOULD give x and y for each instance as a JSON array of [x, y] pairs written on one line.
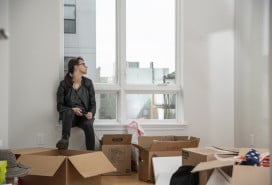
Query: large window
[[137, 60]]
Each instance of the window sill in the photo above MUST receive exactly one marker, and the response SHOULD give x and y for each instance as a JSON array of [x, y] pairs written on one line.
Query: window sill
[[115, 126]]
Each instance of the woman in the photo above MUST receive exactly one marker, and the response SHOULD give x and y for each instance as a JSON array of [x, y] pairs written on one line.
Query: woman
[[76, 103]]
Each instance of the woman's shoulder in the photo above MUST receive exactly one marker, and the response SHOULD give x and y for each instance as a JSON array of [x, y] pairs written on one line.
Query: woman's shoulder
[[62, 83], [87, 81]]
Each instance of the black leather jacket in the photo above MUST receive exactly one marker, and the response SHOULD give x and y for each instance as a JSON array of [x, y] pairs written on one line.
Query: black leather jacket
[[86, 95]]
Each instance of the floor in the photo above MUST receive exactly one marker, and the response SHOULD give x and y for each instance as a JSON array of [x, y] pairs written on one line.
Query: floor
[[123, 180]]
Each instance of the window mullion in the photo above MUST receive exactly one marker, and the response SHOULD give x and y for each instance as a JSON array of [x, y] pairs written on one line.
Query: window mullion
[[179, 58], [121, 56]]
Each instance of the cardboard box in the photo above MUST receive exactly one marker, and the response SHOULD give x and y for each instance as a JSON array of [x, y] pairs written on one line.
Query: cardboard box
[[193, 156], [159, 146], [117, 148], [63, 167], [241, 175]]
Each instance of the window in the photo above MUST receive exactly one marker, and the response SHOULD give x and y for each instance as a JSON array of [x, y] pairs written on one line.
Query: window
[[136, 57], [150, 40], [69, 16], [66, 60]]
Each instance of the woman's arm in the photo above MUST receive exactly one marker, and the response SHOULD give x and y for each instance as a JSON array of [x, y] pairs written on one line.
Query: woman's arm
[[60, 98], [92, 102]]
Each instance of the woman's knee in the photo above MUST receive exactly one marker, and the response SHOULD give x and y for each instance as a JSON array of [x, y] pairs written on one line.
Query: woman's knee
[[69, 113], [87, 125]]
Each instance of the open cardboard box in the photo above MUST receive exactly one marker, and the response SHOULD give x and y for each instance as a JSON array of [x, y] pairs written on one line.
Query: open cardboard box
[[63, 167], [117, 148], [194, 156], [159, 146], [241, 175]]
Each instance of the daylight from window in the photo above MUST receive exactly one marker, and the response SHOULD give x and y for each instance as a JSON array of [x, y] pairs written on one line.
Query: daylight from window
[[148, 56]]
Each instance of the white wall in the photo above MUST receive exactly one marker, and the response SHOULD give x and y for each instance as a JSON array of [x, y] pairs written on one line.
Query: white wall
[[251, 74], [36, 51], [208, 70], [270, 80], [36, 48], [4, 75]]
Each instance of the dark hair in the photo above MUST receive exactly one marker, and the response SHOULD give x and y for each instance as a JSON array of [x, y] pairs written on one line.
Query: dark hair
[[71, 66]]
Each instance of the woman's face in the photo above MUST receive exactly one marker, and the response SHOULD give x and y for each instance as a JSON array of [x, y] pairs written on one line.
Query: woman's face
[[81, 67]]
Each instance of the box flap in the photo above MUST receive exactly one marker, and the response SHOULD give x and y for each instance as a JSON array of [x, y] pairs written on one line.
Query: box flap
[[173, 145], [211, 165], [116, 139], [140, 147], [146, 141], [92, 164], [225, 149], [169, 146], [42, 165], [24, 151]]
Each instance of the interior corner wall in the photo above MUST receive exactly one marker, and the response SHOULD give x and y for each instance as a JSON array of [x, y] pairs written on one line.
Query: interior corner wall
[[251, 73], [270, 82], [36, 49], [4, 75], [208, 68]]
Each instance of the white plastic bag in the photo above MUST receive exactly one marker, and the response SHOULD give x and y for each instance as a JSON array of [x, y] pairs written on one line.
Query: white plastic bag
[[135, 130]]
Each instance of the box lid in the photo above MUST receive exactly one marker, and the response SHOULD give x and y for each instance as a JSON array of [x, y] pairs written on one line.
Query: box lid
[[116, 139], [92, 164], [211, 165], [42, 165]]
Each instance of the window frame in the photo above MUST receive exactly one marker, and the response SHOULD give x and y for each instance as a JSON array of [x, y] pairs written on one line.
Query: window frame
[[121, 88]]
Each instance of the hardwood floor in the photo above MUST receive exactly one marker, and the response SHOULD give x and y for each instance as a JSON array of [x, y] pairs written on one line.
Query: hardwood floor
[[123, 180]]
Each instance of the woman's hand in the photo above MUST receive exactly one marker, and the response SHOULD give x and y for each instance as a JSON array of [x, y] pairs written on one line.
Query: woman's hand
[[89, 115], [77, 111]]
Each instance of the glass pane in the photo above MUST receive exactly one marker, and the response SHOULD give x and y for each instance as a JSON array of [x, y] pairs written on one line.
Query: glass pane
[[151, 106], [69, 12], [150, 47], [69, 26], [106, 106], [66, 60], [105, 41]]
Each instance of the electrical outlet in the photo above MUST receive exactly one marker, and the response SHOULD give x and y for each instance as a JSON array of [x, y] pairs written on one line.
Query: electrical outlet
[[40, 139]]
